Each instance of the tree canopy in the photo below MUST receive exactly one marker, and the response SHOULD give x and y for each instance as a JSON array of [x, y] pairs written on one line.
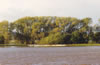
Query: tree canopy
[[48, 30]]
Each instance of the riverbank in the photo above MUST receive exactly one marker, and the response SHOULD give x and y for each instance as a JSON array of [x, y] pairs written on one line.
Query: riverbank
[[52, 45], [64, 45], [18, 45]]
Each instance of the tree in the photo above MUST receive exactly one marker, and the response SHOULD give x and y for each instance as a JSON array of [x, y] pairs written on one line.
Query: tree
[[37, 31], [49, 30], [22, 29], [2, 39], [52, 39], [78, 37], [4, 31], [96, 37]]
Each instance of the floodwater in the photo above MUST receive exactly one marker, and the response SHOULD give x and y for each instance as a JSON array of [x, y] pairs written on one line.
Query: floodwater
[[50, 56]]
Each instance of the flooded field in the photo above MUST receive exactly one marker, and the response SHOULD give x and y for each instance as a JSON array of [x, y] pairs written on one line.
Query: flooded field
[[50, 56]]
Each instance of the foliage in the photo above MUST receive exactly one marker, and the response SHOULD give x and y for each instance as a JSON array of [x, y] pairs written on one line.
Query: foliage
[[52, 39], [97, 37], [2, 39], [48, 30], [4, 31]]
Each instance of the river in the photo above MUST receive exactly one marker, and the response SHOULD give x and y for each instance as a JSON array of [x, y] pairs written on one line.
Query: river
[[50, 56]]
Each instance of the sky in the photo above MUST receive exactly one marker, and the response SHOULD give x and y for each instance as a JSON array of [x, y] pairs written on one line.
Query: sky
[[13, 9]]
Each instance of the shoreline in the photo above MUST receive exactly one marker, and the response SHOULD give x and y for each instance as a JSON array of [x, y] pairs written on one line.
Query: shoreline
[[48, 45], [64, 45]]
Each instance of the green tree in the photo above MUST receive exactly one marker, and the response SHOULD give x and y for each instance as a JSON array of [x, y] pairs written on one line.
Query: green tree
[[52, 39], [2, 39], [96, 37], [4, 31], [78, 37], [22, 29]]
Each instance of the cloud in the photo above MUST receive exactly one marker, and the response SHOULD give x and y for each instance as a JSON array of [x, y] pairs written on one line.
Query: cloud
[[14, 9]]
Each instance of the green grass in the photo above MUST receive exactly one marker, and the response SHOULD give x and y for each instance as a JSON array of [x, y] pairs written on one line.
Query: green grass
[[79, 45], [7, 45], [66, 45]]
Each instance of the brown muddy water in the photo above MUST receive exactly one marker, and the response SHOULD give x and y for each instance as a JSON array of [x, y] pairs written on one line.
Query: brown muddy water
[[50, 56]]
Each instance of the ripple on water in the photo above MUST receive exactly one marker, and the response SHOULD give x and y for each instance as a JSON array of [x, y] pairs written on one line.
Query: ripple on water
[[50, 56]]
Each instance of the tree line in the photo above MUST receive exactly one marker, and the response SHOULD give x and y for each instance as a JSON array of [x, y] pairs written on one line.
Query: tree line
[[48, 30]]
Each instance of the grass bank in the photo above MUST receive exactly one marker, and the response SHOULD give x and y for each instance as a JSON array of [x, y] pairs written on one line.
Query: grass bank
[[19, 45], [53, 45], [75, 45]]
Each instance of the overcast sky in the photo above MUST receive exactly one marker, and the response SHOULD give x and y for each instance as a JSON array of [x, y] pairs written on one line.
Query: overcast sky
[[14, 9]]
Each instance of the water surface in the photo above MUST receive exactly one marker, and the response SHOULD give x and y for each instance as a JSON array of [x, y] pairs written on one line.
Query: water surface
[[50, 56]]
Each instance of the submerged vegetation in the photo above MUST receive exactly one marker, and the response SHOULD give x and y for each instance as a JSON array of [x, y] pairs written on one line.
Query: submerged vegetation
[[48, 30]]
